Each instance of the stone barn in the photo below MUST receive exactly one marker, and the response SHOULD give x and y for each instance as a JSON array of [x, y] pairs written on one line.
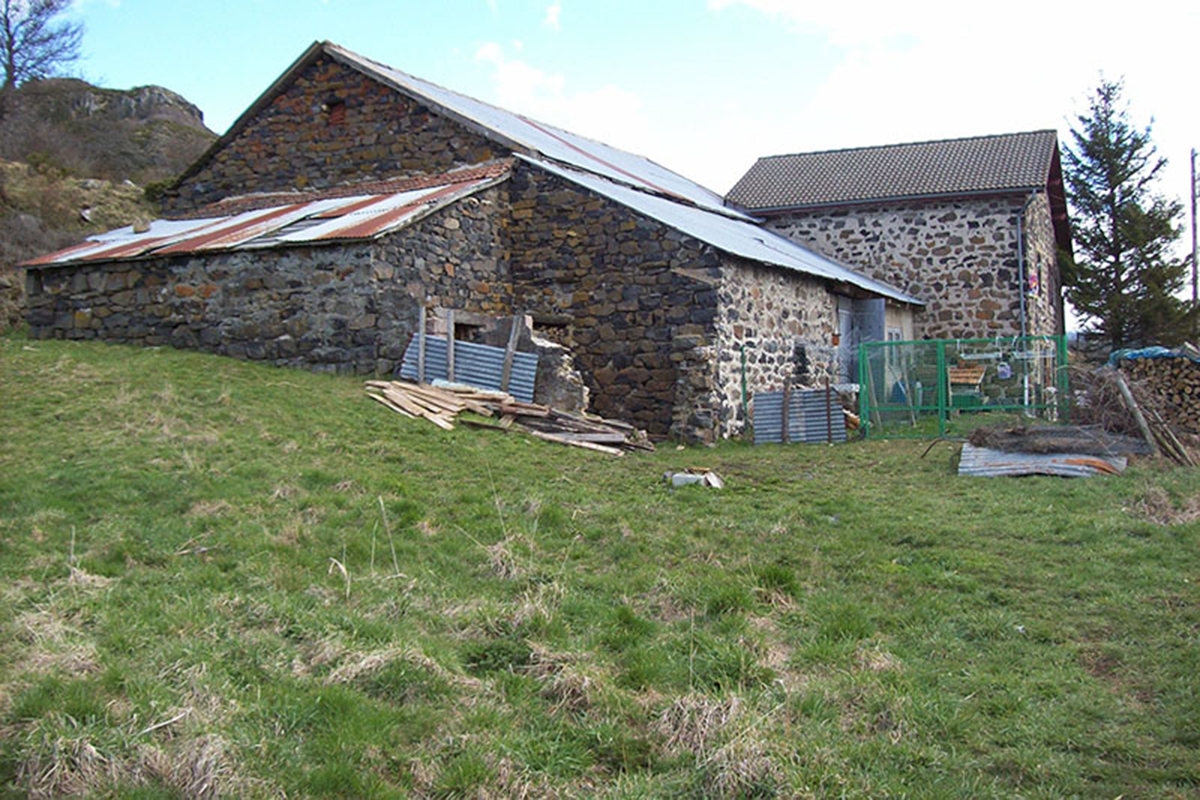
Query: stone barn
[[972, 226], [350, 196]]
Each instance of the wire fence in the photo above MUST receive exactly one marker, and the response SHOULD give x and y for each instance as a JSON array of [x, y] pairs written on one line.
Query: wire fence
[[946, 387]]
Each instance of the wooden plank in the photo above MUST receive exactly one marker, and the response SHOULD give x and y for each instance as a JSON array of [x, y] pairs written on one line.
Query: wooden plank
[[514, 334], [787, 399], [421, 345], [402, 400], [599, 448], [507, 420], [389, 404], [450, 345], [1132, 405], [598, 438], [445, 400]]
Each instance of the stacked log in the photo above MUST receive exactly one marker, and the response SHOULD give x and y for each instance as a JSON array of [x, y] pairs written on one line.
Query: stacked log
[[1175, 381]]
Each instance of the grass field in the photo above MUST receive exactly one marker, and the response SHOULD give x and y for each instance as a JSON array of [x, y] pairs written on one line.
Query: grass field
[[218, 577]]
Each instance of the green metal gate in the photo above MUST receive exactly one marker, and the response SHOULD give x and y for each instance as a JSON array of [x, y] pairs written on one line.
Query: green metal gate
[[940, 387]]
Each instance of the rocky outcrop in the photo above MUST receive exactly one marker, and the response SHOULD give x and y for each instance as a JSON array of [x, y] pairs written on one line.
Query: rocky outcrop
[[144, 134]]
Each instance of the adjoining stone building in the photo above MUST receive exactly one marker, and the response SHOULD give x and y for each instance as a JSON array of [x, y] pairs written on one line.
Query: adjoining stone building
[[970, 226], [350, 195]]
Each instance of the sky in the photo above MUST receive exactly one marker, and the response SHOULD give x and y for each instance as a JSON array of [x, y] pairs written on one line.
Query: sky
[[701, 86]]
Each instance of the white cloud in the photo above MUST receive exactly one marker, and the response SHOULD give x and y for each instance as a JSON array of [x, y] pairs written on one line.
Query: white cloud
[[552, 14], [608, 113]]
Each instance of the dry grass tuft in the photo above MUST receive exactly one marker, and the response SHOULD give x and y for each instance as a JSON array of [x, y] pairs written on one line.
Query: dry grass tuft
[[742, 768], [876, 659], [1157, 507], [66, 767], [195, 767], [503, 561], [565, 683], [359, 665], [199, 768], [539, 602], [427, 529], [692, 722], [209, 508], [514, 783]]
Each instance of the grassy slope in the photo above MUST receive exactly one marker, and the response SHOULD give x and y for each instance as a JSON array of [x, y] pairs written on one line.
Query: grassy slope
[[861, 620]]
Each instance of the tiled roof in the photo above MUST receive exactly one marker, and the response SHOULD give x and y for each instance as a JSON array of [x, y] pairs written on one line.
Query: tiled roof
[[1005, 162]]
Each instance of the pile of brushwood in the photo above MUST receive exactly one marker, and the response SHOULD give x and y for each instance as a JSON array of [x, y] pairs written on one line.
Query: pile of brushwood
[[1116, 402]]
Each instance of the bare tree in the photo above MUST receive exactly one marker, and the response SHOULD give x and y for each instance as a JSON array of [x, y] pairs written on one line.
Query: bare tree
[[33, 43]]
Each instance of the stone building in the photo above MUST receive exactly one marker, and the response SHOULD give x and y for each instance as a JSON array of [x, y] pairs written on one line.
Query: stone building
[[350, 195], [970, 226]]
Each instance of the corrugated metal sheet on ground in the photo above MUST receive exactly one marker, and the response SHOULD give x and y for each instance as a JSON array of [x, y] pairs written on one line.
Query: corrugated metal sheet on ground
[[330, 219], [983, 462], [734, 236], [812, 417], [474, 364]]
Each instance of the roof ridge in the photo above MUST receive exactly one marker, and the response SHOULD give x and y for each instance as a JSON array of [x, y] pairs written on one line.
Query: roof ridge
[[861, 148]]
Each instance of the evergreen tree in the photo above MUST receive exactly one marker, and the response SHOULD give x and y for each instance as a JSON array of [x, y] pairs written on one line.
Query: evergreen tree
[[1124, 277]]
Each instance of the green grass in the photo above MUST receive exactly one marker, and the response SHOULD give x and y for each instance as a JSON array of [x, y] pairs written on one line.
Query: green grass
[[848, 620]]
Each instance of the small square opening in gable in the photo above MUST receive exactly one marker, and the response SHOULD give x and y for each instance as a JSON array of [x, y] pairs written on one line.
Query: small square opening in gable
[[335, 112]]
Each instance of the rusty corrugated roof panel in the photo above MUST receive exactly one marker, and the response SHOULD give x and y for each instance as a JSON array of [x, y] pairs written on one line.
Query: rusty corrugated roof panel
[[251, 202], [326, 219], [983, 462], [999, 163]]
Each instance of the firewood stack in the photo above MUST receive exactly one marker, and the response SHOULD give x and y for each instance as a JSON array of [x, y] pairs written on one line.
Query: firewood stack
[[1176, 381], [441, 405]]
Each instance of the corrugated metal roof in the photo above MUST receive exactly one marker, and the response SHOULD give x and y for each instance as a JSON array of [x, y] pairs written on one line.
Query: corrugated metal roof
[[736, 237], [538, 137], [1005, 162], [983, 462], [321, 220]]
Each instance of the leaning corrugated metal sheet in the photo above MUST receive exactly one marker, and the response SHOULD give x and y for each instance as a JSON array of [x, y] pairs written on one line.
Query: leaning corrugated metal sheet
[[552, 142], [983, 462], [474, 364], [739, 238], [813, 416]]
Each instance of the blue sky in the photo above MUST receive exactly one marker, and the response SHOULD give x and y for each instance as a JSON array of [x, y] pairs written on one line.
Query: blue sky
[[703, 86]]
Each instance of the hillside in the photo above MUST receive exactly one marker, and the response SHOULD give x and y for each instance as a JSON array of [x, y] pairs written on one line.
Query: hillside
[[223, 577], [74, 160], [142, 135]]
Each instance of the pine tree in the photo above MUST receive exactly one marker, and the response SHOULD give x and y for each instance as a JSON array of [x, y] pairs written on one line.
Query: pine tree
[[1124, 278]]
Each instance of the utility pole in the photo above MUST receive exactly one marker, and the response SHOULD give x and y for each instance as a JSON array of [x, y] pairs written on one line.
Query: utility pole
[[1194, 298]]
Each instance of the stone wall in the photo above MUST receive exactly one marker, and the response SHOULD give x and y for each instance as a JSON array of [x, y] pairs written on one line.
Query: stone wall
[[786, 323], [634, 300], [348, 307], [959, 256], [1044, 289], [301, 141]]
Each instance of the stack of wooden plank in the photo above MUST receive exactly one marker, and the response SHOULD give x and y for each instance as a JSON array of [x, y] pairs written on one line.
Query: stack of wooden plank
[[442, 404]]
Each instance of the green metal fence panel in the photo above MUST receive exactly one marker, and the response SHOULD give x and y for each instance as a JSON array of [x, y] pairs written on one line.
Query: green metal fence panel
[[945, 387]]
